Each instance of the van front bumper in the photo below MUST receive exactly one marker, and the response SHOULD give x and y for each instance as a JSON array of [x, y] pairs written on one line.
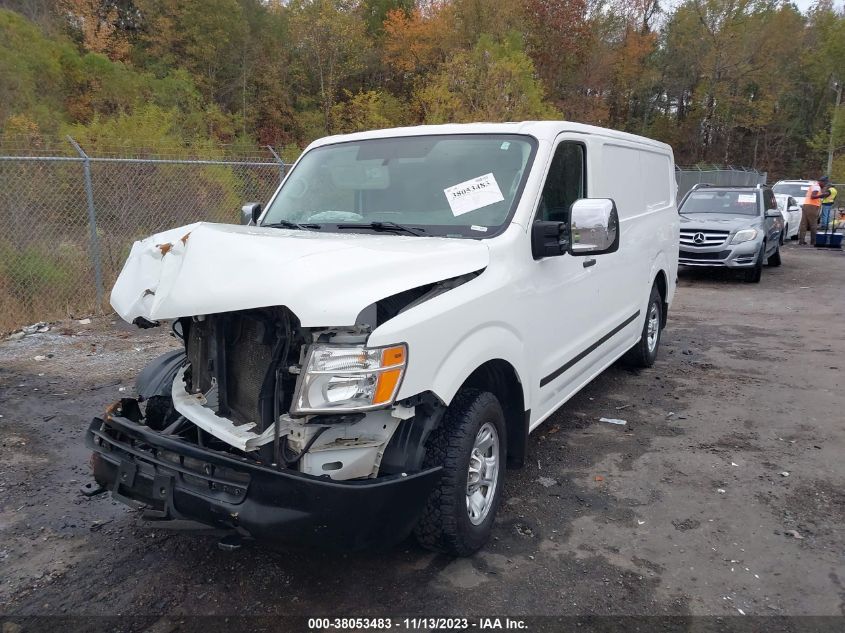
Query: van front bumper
[[726, 256], [175, 479]]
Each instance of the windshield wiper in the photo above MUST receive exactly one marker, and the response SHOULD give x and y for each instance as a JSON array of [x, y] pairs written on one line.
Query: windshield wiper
[[385, 226], [287, 224]]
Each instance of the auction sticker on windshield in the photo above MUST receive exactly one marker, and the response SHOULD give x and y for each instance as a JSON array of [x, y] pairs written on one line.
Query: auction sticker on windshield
[[473, 194]]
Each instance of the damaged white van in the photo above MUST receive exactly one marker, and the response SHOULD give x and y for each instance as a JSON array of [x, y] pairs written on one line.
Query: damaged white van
[[365, 355]]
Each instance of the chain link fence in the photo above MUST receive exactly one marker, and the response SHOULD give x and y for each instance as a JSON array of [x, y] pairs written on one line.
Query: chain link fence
[[688, 177], [67, 222]]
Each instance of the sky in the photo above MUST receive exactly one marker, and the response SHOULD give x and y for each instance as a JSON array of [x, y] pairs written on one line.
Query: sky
[[802, 5]]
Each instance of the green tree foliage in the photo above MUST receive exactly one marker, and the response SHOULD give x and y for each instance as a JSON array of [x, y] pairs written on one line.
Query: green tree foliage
[[370, 110], [738, 81], [493, 82], [332, 40]]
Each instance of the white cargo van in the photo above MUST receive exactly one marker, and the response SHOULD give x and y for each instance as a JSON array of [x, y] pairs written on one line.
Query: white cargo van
[[363, 357]]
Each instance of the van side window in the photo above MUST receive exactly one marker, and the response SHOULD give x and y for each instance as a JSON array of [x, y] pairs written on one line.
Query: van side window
[[565, 183]]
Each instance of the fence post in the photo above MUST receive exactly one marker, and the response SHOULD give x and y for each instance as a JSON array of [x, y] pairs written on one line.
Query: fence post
[[280, 161], [92, 223]]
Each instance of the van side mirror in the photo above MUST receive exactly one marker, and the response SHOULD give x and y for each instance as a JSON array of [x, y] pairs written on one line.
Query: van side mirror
[[594, 226], [772, 213], [549, 239], [250, 213], [794, 207]]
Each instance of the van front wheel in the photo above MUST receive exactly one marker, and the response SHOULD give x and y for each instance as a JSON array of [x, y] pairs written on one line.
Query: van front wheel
[[470, 446], [644, 353]]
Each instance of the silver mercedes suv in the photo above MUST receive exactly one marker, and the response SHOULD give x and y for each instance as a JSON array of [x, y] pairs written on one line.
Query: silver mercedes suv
[[731, 226]]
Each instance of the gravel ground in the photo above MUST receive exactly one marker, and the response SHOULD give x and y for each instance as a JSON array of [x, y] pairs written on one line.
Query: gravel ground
[[723, 495]]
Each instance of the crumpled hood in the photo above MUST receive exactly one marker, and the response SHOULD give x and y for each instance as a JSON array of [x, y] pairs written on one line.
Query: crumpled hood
[[326, 279], [718, 221]]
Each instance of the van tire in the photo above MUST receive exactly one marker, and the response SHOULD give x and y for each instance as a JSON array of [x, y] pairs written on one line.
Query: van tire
[[159, 412], [642, 354], [754, 275], [774, 259], [445, 525]]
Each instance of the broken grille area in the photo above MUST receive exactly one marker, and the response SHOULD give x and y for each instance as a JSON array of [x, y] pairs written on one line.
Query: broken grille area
[[238, 351], [249, 356]]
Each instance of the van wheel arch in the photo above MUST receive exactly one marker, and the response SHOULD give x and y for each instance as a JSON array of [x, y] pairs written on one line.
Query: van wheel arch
[[501, 379]]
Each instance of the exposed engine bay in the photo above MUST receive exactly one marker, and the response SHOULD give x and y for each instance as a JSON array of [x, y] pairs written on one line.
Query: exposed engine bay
[[233, 390]]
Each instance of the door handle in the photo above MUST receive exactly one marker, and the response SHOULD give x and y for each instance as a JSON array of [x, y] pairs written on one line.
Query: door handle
[[588, 262]]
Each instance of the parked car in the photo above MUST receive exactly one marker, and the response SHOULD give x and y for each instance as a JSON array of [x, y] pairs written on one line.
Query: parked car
[[791, 212], [364, 357], [734, 227]]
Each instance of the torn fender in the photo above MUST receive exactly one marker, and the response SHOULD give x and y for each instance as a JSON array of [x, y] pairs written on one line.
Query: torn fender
[[156, 379], [326, 279]]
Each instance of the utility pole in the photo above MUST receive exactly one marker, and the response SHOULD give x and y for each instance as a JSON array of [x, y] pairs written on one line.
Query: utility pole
[[837, 86]]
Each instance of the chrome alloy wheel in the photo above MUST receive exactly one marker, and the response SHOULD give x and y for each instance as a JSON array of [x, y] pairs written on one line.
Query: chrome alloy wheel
[[483, 475], [653, 328]]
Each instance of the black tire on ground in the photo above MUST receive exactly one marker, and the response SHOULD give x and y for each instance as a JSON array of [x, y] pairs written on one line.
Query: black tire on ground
[[774, 258], [641, 354], [753, 275], [783, 234], [445, 525]]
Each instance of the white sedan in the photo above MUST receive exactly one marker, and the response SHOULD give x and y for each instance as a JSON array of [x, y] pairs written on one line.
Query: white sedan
[[791, 212]]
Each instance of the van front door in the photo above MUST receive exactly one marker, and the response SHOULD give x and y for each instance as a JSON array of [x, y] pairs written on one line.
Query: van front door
[[564, 313]]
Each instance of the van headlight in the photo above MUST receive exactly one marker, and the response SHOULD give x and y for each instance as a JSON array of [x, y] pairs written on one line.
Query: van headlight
[[338, 379], [745, 235]]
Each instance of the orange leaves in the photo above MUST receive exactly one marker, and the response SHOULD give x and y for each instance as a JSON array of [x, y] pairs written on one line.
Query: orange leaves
[[98, 23], [415, 42]]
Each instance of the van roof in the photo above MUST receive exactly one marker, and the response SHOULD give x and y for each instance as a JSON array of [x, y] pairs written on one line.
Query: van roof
[[541, 130]]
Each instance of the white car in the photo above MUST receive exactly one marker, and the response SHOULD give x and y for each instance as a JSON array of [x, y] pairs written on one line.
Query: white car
[[791, 212], [365, 356]]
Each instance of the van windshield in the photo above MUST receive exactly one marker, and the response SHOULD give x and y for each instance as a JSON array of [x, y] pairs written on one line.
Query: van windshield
[[728, 202], [448, 185]]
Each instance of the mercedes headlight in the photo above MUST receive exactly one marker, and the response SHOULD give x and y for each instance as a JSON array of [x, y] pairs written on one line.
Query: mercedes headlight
[[745, 235], [339, 379]]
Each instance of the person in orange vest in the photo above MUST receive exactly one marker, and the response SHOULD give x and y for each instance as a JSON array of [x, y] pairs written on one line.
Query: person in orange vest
[[810, 210]]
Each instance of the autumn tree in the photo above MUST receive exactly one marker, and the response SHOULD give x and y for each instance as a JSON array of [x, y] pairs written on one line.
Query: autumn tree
[[493, 82], [331, 37], [558, 40], [417, 42], [739, 81], [204, 37], [370, 110], [103, 25]]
